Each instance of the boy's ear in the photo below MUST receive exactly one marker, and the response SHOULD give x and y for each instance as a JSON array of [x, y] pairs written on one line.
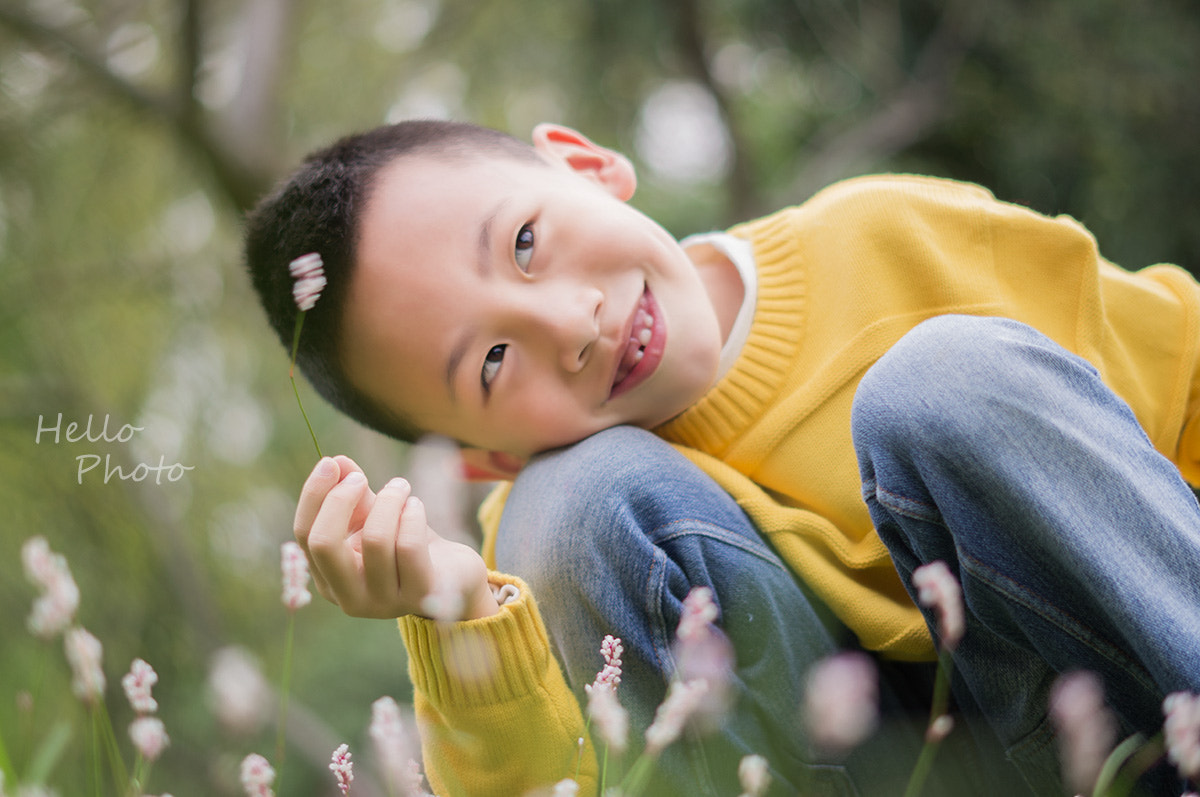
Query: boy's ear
[[609, 168], [489, 466]]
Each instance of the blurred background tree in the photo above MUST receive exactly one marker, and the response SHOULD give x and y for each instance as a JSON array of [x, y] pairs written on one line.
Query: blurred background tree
[[134, 134]]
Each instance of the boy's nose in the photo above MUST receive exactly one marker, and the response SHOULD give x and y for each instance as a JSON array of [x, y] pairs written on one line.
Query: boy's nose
[[571, 323]]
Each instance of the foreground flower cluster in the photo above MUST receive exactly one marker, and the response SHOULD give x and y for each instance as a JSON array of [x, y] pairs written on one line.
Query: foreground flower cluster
[[842, 708], [841, 705], [236, 686], [53, 614]]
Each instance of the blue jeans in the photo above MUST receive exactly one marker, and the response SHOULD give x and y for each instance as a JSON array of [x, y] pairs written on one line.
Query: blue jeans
[[613, 532], [986, 445]]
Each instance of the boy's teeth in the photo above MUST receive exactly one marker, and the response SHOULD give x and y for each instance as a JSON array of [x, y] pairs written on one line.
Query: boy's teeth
[[639, 337]]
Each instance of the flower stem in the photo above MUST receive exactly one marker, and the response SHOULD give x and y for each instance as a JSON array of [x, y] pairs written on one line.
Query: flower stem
[[292, 377], [284, 689], [604, 771], [115, 762], [638, 776], [940, 703], [579, 757], [140, 773], [96, 775]]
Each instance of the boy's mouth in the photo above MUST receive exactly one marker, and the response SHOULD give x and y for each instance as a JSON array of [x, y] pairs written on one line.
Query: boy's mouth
[[643, 348]]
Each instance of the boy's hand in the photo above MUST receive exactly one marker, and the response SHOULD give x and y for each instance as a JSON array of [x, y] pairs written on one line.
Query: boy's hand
[[374, 555]]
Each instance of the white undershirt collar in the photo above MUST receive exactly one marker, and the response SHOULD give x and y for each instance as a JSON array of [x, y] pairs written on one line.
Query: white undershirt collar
[[741, 253]]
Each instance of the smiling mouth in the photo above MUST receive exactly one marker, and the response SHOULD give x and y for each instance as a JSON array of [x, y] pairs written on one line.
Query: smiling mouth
[[643, 348]]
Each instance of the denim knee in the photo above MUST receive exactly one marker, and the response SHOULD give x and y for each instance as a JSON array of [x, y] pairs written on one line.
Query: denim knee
[[960, 380], [585, 502], [611, 534]]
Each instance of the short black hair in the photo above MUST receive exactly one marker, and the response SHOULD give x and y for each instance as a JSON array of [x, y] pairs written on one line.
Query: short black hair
[[318, 209]]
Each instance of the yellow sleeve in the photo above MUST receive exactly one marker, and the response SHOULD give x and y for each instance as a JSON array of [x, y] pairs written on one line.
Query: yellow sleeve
[[496, 716]]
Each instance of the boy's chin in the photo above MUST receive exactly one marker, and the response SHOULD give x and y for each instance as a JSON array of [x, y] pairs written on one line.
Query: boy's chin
[[483, 465]]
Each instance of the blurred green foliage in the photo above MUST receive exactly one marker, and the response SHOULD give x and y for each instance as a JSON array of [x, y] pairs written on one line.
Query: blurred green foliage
[[134, 134]]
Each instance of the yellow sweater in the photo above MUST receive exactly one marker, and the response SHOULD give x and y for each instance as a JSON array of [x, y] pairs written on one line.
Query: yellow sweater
[[841, 278]]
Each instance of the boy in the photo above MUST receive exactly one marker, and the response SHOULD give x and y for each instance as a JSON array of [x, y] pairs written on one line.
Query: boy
[[510, 298]]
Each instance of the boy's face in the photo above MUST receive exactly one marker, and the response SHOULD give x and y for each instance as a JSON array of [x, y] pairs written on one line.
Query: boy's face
[[518, 306]]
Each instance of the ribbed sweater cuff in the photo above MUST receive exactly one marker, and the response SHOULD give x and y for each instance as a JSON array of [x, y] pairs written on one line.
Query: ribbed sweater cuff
[[479, 662]]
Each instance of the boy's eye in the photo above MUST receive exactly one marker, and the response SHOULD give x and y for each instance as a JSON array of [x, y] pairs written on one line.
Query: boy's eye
[[491, 366], [523, 250]]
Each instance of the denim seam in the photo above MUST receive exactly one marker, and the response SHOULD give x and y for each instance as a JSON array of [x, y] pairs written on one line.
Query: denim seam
[[1012, 591], [654, 594], [699, 528], [917, 510], [1065, 622]]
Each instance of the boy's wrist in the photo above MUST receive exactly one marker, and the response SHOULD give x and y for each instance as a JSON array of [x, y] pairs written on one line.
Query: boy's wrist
[[481, 603]]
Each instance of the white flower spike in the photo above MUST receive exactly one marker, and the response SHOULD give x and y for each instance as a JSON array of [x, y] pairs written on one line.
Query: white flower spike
[[308, 271], [295, 576], [342, 768], [149, 737], [137, 684], [939, 590], [257, 776]]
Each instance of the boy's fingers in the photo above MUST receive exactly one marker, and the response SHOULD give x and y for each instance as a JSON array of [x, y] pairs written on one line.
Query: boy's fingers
[[413, 563], [323, 477], [346, 466], [330, 554], [379, 540]]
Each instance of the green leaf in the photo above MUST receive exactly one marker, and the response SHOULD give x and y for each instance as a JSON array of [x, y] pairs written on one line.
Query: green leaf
[[48, 753], [1115, 780], [6, 767]]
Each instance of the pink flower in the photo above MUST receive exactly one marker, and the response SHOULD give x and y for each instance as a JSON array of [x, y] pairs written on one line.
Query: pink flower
[[699, 612], [295, 577], [84, 652], [1087, 730], [309, 273], [841, 702], [41, 564], [257, 776], [565, 788], [610, 675], [682, 701], [612, 721], [342, 768], [1182, 732], [54, 609], [754, 775], [401, 771], [387, 727], [435, 470], [237, 691], [939, 590], [149, 737], [137, 684], [703, 653]]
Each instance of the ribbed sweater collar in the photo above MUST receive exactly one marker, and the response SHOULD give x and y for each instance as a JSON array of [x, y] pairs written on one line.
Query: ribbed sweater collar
[[740, 398]]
